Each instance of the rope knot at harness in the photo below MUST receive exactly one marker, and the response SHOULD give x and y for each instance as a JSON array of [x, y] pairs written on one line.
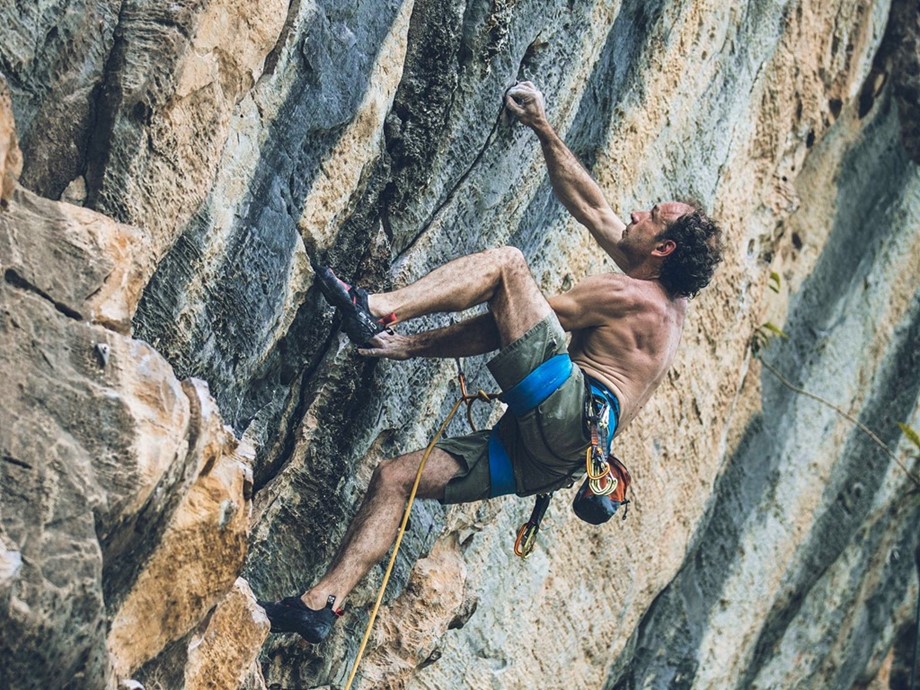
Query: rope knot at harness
[[470, 398]]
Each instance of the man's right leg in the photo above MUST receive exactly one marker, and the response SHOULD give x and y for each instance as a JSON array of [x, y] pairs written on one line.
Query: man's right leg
[[500, 277], [374, 527], [367, 540]]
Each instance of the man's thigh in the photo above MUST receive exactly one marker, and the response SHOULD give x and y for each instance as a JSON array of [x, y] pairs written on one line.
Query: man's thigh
[[535, 464], [440, 468], [518, 304], [543, 431], [515, 361]]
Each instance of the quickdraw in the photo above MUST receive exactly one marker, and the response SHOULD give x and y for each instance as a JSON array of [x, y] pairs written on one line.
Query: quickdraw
[[595, 464], [605, 485]]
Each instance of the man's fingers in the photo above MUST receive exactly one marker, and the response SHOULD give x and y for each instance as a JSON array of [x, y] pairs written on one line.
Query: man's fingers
[[512, 105], [374, 346], [384, 345], [525, 89], [518, 93]]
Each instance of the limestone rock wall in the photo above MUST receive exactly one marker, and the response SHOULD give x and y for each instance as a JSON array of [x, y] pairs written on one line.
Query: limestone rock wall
[[184, 164], [126, 502]]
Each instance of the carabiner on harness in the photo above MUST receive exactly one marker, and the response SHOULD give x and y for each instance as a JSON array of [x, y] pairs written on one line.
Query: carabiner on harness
[[470, 398], [527, 533], [604, 485], [597, 415], [595, 465]]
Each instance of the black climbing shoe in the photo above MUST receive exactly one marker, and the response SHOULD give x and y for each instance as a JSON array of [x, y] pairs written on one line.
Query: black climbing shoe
[[291, 615], [357, 321]]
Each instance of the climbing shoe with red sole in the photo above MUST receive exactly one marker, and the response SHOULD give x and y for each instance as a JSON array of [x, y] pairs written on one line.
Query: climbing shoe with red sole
[[357, 321], [291, 615]]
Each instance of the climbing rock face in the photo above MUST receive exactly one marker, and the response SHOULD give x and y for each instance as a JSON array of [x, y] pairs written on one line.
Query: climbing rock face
[[126, 501], [199, 553], [185, 429], [10, 155]]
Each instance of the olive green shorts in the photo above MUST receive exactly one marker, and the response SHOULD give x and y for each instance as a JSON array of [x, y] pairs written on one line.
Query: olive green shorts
[[546, 445]]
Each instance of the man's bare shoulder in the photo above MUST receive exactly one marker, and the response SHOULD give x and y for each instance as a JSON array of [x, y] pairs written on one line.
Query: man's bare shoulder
[[610, 284], [621, 292]]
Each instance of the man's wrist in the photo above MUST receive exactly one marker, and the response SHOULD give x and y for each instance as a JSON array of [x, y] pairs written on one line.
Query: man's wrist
[[414, 346], [544, 131]]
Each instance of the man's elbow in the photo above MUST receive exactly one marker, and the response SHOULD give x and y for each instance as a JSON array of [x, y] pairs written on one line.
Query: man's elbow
[[600, 221], [608, 223], [565, 319]]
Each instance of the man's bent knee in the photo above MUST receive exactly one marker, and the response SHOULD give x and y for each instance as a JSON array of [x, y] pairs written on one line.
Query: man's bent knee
[[392, 475], [511, 257]]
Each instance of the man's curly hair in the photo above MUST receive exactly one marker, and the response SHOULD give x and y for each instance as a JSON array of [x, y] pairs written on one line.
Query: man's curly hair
[[689, 268]]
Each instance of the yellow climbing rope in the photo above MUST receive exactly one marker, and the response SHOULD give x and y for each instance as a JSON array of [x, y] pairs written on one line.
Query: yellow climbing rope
[[464, 398]]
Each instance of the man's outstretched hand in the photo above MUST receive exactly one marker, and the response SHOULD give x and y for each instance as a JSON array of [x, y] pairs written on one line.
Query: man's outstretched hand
[[388, 345], [526, 103]]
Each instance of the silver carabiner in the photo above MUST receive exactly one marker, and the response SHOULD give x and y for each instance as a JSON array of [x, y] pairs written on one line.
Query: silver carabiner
[[601, 488]]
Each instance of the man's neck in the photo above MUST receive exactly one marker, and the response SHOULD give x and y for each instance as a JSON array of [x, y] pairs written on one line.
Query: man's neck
[[644, 271], [650, 273]]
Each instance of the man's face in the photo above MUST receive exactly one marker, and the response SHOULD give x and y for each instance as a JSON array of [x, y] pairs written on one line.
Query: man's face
[[639, 238]]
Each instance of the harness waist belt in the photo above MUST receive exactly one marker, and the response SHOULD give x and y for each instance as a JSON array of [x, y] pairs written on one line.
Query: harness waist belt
[[600, 390], [538, 385]]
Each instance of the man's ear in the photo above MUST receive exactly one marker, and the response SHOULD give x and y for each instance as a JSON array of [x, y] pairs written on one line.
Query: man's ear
[[664, 248]]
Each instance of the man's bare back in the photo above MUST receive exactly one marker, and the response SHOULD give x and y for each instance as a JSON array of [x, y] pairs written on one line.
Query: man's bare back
[[625, 333]]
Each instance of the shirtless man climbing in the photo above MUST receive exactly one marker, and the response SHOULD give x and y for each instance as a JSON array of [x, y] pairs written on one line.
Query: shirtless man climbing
[[625, 331]]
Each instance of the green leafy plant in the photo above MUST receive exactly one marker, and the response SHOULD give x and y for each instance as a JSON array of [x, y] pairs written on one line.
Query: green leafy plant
[[765, 331], [775, 281], [762, 336], [911, 435]]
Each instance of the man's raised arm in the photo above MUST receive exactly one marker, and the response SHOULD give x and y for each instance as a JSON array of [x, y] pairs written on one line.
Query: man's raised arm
[[572, 184]]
